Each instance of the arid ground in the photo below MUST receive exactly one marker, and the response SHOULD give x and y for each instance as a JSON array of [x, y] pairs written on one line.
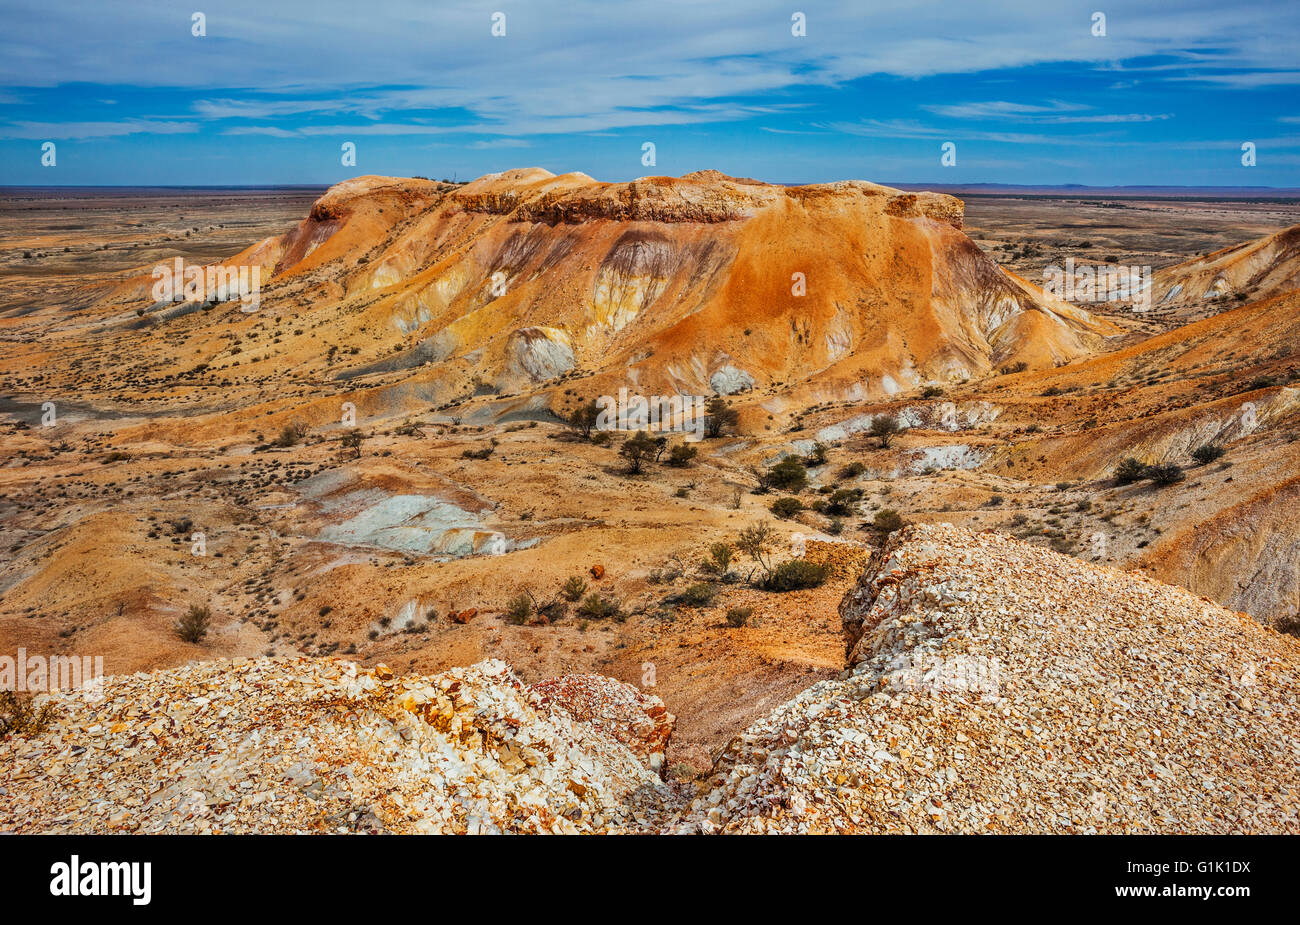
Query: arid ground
[[202, 461]]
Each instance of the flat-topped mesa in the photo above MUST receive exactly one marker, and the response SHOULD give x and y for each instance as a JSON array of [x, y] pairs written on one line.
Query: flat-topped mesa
[[688, 285], [706, 197]]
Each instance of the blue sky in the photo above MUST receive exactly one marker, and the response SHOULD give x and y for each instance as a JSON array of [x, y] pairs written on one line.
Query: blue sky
[[1023, 88]]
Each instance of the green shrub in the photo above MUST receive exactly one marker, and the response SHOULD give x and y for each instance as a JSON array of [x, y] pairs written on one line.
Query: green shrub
[[1165, 473], [788, 475], [681, 455], [194, 625], [884, 427], [739, 616], [574, 589], [887, 520], [596, 606], [720, 556], [842, 501], [1130, 470], [794, 575], [519, 609], [1207, 453], [786, 507], [700, 594], [290, 434], [719, 417], [851, 471], [638, 449]]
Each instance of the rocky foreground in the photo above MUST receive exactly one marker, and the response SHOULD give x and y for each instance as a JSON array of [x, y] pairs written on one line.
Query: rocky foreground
[[992, 687]]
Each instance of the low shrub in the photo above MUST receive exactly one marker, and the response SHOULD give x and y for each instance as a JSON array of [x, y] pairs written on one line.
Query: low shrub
[[739, 616], [1129, 470], [887, 520], [19, 715], [794, 575], [788, 475], [194, 625], [700, 594], [596, 606], [786, 507], [519, 609], [1208, 453], [573, 589]]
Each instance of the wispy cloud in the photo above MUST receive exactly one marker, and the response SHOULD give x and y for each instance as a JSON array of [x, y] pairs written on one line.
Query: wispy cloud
[[1053, 112], [45, 130]]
